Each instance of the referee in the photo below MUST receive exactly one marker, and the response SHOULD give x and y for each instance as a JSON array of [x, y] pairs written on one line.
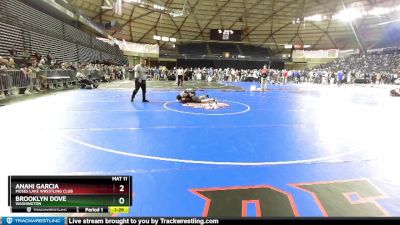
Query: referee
[[140, 80]]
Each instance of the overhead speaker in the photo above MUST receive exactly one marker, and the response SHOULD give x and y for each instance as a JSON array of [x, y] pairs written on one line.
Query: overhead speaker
[[113, 26]]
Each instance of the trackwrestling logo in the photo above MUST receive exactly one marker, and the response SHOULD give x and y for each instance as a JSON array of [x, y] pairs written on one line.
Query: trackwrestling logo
[[33, 220]]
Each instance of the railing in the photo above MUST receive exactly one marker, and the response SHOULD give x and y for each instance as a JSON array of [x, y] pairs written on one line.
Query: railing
[[11, 80]]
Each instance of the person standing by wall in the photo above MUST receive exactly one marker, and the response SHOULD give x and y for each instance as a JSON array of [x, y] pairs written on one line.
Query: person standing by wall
[[285, 76], [13, 52], [340, 78], [180, 72], [26, 55], [140, 80], [50, 57], [264, 77]]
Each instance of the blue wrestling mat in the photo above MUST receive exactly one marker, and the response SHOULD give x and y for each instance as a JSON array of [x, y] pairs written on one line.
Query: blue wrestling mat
[[294, 150]]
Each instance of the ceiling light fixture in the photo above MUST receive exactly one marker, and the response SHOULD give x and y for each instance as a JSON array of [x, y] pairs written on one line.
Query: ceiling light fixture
[[108, 5], [159, 8]]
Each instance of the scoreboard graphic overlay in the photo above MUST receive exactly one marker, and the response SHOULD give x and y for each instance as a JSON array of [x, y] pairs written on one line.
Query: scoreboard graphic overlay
[[82, 194]]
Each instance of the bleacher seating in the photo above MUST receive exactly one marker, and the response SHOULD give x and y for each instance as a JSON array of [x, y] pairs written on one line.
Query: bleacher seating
[[217, 50], [10, 36], [220, 48], [254, 51], [25, 15], [25, 27], [88, 54], [193, 49], [71, 33], [43, 43], [69, 52]]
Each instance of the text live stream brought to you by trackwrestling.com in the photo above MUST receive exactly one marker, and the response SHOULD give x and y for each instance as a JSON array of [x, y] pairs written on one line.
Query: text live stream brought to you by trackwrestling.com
[[184, 220]]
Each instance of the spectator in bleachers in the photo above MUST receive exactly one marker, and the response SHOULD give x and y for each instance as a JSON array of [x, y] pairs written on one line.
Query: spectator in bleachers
[[26, 55], [37, 56], [363, 67], [13, 52], [50, 57]]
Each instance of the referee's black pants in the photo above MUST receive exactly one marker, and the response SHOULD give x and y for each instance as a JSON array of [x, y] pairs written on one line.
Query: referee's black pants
[[139, 85]]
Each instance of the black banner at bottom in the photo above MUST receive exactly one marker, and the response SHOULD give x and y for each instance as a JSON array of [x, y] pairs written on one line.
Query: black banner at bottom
[[80, 209], [211, 221]]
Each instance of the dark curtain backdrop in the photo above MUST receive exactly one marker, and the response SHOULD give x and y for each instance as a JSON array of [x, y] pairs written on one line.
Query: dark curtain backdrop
[[237, 64]]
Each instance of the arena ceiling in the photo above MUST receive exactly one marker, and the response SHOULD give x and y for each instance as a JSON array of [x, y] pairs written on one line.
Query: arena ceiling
[[263, 22]]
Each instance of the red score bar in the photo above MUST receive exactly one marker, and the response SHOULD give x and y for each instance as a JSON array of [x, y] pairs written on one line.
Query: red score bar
[[95, 188], [78, 189]]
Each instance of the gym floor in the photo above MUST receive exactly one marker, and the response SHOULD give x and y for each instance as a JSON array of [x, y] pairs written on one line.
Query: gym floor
[[294, 150]]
